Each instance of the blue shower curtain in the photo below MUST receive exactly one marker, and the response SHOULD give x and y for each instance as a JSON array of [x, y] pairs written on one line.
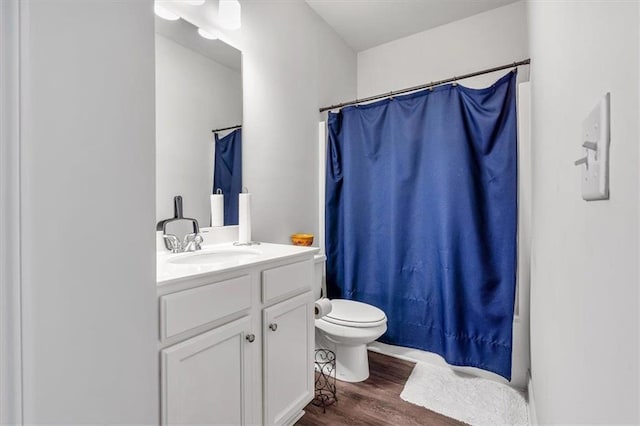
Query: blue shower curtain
[[227, 173], [421, 218]]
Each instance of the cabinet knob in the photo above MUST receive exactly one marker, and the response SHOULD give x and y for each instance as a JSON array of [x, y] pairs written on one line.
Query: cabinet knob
[[273, 326], [250, 338]]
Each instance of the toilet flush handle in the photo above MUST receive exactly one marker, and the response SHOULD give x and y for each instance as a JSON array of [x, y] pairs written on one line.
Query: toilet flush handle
[[273, 326]]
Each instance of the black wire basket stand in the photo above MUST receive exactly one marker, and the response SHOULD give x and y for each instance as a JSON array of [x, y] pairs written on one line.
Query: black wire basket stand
[[325, 386]]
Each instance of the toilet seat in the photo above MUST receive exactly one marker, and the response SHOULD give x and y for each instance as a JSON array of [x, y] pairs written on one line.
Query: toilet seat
[[350, 313]]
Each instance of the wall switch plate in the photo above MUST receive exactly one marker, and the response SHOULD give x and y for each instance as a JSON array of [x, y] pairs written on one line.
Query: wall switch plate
[[595, 143]]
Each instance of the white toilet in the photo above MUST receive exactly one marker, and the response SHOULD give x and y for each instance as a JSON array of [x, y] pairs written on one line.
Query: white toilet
[[350, 326]]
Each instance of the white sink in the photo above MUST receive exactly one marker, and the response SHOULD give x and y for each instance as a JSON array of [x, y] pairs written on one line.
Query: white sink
[[212, 257]]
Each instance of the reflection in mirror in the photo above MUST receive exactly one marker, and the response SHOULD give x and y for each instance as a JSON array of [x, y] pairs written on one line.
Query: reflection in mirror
[[227, 172], [198, 89]]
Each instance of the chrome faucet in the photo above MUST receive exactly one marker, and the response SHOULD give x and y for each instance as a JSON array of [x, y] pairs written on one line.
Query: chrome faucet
[[192, 242]]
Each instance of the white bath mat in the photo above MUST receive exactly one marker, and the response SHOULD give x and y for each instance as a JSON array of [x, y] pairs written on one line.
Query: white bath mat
[[476, 401]]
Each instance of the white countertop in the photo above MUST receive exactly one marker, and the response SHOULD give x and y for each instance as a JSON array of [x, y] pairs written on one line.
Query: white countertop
[[169, 272]]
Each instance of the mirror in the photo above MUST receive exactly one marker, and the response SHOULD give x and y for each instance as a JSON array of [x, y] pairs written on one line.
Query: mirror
[[198, 90]]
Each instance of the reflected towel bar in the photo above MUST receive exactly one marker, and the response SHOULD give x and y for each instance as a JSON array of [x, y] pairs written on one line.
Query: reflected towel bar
[[227, 128]]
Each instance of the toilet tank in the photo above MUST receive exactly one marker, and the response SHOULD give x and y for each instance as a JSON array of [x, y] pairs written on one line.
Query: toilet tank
[[319, 289]]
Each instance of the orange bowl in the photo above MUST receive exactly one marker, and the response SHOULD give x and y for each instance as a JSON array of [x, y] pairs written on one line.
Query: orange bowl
[[302, 239]]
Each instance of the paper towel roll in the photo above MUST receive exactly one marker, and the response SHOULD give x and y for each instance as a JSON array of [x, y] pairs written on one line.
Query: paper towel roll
[[322, 307], [244, 218], [217, 209]]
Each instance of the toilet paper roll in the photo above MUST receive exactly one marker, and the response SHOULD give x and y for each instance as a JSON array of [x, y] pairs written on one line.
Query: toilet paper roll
[[244, 217], [322, 307], [217, 209]]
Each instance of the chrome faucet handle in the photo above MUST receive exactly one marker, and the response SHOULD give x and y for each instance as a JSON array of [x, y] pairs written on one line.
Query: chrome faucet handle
[[198, 240], [172, 243], [188, 239], [192, 242]]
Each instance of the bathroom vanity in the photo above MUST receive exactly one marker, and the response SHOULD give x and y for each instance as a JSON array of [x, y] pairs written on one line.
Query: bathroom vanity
[[236, 325], [236, 334]]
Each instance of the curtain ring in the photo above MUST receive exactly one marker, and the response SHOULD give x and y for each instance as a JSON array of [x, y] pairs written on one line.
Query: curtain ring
[[431, 86], [391, 95], [455, 81]]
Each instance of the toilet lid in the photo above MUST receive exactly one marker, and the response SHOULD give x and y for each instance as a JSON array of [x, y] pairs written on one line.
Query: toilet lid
[[354, 314]]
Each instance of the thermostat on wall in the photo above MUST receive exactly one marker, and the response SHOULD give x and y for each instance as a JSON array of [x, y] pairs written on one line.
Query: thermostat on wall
[[595, 144]]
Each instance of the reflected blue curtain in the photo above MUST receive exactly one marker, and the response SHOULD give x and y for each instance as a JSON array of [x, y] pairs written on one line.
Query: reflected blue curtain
[[227, 173], [421, 218]]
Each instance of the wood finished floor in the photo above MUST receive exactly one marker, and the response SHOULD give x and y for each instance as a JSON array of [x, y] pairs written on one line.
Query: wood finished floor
[[376, 401]]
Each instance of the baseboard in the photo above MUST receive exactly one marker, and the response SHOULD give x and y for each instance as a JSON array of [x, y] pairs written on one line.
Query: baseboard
[[293, 419], [533, 417], [416, 355]]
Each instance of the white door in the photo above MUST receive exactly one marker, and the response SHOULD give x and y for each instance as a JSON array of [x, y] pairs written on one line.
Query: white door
[[205, 379], [288, 331]]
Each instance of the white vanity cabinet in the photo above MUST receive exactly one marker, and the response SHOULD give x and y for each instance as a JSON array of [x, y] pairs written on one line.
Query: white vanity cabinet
[[236, 347], [288, 345], [206, 378]]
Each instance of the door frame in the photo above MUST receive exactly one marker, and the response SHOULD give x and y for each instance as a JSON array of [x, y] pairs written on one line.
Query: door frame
[[11, 377]]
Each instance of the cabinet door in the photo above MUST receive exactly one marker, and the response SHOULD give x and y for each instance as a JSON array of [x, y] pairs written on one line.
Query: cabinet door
[[288, 358], [205, 378]]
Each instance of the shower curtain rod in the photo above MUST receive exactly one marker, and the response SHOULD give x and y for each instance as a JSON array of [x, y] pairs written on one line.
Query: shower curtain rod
[[227, 128], [428, 85]]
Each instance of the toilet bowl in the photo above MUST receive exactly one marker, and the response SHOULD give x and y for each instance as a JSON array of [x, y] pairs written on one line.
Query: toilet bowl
[[351, 326], [347, 329]]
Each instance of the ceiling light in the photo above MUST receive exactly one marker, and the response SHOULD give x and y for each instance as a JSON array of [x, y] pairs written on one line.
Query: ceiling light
[[164, 13], [229, 14], [195, 2], [209, 35]]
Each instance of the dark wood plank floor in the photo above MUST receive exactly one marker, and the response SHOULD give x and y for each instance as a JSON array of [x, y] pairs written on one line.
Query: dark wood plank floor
[[376, 401]]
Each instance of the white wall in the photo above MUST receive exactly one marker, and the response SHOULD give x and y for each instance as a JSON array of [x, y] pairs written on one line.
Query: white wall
[[10, 309], [492, 38], [88, 211], [194, 95], [293, 63], [584, 307]]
